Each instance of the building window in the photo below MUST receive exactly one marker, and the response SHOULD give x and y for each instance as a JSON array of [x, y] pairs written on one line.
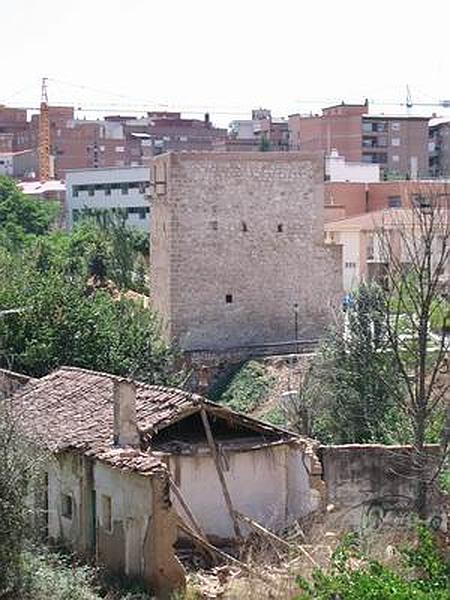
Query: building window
[[395, 202], [107, 513], [244, 227], [229, 298], [214, 225], [67, 506], [141, 187], [107, 191], [395, 158], [350, 265], [75, 191], [124, 188], [279, 228], [75, 215], [120, 149], [395, 141], [91, 190], [395, 126]]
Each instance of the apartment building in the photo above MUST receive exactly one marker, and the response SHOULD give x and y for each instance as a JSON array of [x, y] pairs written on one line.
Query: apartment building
[[348, 199], [260, 132], [110, 188], [120, 141], [364, 252], [14, 129], [398, 144], [20, 164], [439, 147]]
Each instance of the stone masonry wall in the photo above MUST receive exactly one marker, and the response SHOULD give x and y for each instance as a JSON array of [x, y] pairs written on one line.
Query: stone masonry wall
[[236, 242], [370, 484]]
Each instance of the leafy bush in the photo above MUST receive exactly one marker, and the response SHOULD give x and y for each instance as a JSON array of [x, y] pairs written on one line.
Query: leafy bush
[[423, 575], [59, 576], [249, 388]]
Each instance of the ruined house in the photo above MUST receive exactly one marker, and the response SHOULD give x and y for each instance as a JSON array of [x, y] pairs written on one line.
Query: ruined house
[[131, 459]]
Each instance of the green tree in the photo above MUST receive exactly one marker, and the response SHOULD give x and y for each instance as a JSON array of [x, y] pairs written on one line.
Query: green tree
[[63, 321], [21, 215], [349, 393], [416, 248]]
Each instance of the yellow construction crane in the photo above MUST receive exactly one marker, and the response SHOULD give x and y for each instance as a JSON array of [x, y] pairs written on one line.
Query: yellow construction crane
[[44, 135]]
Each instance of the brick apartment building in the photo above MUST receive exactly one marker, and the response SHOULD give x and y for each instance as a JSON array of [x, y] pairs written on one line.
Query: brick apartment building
[[115, 141], [261, 131], [439, 147], [237, 252], [399, 144], [14, 129], [349, 199]]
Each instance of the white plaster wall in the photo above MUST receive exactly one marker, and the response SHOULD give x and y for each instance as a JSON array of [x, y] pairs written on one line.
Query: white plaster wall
[[6, 165], [64, 478], [339, 170], [270, 485], [350, 241], [131, 504]]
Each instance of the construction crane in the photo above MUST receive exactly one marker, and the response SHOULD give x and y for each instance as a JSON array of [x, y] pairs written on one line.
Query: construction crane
[[44, 135]]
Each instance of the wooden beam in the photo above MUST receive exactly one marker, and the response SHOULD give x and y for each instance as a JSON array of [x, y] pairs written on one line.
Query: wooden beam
[[275, 538], [187, 509], [221, 553], [262, 530], [226, 493]]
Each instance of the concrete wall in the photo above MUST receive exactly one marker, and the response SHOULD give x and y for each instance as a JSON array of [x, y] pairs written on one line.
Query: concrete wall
[[271, 485], [248, 226], [136, 199], [373, 484]]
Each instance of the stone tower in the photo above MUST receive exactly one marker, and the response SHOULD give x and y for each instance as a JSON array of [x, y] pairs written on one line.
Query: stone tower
[[237, 252]]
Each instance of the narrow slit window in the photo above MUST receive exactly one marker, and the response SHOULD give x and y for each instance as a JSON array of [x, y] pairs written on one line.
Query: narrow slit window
[[280, 228], [214, 225], [229, 298], [244, 227]]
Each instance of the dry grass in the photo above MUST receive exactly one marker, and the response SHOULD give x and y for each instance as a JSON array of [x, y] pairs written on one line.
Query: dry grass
[[273, 573]]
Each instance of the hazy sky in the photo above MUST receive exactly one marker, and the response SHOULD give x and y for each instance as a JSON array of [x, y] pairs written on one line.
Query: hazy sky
[[225, 56]]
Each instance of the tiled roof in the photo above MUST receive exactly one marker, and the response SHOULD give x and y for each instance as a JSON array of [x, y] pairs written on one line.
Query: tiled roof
[[72, 409]]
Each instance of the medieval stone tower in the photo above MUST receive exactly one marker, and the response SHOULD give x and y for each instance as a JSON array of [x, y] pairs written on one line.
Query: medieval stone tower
[[237, 253]]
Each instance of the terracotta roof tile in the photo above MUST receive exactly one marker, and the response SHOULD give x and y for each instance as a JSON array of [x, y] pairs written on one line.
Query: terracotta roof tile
[[72, 409]]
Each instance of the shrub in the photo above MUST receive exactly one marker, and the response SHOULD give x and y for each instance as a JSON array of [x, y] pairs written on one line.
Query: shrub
[[423, 575]]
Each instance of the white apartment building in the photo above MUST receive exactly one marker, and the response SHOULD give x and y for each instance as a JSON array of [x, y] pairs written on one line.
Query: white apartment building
[[109, 188]]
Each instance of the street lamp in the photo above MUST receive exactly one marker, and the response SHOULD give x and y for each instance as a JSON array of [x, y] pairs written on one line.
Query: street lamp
[[296, 326]]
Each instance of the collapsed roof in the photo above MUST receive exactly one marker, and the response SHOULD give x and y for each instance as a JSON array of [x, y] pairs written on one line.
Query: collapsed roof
[[73, 409]]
